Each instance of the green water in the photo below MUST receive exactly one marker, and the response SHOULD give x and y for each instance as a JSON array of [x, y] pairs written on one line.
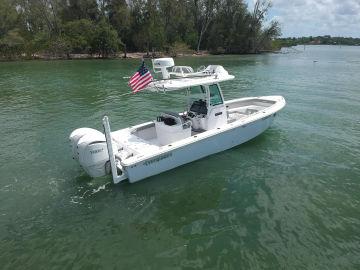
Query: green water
[[288, 199]]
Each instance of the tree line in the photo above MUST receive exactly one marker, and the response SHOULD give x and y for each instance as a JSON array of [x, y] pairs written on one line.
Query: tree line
[[29, 28], [319, 40]]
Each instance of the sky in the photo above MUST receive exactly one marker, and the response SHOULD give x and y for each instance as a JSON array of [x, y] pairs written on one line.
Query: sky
[[316, 17]]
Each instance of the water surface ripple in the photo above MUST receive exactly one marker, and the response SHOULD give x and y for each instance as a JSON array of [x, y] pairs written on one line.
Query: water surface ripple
[[288, 199]]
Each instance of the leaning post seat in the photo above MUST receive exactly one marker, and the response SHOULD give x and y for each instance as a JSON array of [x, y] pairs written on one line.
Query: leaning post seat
[[171, 127]]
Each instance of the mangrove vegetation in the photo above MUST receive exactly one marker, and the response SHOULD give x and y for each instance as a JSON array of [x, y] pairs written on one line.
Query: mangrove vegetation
[[106, 28], [320, 40]]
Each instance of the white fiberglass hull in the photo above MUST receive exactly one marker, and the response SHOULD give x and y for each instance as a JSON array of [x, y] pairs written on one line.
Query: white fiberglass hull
[[199, 148], [208, 126], [137, 152]]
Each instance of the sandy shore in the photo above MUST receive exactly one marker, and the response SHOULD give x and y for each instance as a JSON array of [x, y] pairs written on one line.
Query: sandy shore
[[130, 55], [139, 55]]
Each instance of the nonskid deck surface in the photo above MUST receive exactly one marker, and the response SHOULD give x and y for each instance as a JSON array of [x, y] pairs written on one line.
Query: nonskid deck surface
[[141, 140], [135, 145]]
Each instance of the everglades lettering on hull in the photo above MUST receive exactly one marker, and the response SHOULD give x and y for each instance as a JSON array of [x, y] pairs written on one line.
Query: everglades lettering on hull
[[157, 159]]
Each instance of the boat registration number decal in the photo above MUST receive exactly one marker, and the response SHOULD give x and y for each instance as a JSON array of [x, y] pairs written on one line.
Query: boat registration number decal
[[96, 151], [157, 159]]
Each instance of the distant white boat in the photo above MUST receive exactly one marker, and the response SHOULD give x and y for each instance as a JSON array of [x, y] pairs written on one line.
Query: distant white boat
[[188, 72], [208, 126]]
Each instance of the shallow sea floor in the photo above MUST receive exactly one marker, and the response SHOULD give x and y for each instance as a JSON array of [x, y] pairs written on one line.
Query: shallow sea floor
[[289, 199]]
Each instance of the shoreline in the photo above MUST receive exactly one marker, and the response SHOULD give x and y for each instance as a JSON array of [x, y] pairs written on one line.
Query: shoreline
[[130, 55], [140, 55]]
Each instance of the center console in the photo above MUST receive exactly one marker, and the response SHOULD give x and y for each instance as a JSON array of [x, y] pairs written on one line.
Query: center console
[[171, 127]]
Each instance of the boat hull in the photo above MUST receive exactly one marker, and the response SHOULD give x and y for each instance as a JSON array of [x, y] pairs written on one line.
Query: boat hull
[[198, 149]]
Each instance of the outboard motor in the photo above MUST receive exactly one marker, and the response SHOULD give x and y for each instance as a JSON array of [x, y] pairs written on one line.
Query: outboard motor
[[90, 149], [76, 135], [160, 65]]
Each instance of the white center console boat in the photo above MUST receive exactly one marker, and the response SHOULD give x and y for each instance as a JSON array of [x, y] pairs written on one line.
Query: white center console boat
[[209, 125]]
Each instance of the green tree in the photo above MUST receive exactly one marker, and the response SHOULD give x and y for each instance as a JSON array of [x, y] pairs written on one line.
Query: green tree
[[12, 44], [11, 41], [105, 41], [268, 34], [58, 46], [80, 9], [256, 31], [79, 35], [178, 21], [58, 28], [228, 32], [8, 16], [120, 18], [148, 25], [204, 13], [39, 24], [37, 43]]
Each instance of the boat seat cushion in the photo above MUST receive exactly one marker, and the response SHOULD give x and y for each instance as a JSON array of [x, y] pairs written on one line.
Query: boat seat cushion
[[174, 116]]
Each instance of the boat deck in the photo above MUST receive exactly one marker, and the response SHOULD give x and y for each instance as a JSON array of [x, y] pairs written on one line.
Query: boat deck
[[142, 139], [133, 144]]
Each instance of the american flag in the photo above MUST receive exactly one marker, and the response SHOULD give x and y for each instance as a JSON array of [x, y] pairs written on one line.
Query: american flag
[[140, 79]]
